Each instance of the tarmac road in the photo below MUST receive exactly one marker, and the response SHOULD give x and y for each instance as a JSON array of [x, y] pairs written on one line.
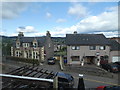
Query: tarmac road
[[89, 80]]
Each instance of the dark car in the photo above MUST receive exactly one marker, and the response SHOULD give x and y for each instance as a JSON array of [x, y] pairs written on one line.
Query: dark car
[[118, 65], [108, 88], [110, 67], [51, 60], [65, 80]]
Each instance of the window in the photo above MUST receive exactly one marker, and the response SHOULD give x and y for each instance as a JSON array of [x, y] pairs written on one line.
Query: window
[[34, 45], [25, 44], [75, 58], [102, 47], [92, 47], [35, 55], [18, 53], [75, 47], [17, 45]]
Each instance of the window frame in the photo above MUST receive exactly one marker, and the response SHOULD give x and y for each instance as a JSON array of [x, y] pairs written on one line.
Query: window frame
[[18, 44], [75, 47], [93, 48], [104, 48]]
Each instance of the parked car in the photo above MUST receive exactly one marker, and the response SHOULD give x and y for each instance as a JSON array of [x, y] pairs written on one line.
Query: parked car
[[110, 67], [108, 88], [51, 60], [118, 65], [65, 80]]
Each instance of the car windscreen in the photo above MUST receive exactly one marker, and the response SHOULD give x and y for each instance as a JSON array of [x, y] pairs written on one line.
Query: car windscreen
[[62, 79]]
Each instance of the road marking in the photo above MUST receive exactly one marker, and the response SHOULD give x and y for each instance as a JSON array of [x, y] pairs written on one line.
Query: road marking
[[99, 81]]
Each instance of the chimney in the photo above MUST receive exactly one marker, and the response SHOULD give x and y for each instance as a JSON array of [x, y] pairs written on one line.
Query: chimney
[[20, 34], [48, 34], [75, 32]]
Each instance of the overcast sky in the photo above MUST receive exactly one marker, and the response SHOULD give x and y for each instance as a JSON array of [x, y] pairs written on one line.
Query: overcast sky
[[60, 18]]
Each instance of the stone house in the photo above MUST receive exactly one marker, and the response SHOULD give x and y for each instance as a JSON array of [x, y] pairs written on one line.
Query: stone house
[[40, 48]]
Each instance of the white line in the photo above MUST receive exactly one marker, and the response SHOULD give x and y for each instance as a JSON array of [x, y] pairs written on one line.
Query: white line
[[24, 77]]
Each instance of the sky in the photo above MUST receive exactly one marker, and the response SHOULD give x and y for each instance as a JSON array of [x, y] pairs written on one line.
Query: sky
[[60, 18]]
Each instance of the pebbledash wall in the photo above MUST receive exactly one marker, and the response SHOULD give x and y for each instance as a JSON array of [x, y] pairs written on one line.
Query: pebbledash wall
[[85, 51]]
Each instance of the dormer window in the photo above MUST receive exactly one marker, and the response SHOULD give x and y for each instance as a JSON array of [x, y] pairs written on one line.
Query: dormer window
[[35, 44], [17, 45]]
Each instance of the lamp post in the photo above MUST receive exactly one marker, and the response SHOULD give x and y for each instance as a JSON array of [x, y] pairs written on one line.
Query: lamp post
[[81, 85]]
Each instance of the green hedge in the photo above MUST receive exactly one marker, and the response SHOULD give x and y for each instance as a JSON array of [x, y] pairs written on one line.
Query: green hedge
[[26, 60]]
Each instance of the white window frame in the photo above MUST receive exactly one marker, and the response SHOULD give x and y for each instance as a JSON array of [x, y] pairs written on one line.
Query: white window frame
[[92, 47], [17, 45], [102, 48], [75, 47], [35, 45]]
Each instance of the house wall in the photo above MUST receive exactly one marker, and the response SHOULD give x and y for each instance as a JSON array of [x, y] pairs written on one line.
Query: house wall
[[49, 47], [112, 54], [85, 51], [30, 50]]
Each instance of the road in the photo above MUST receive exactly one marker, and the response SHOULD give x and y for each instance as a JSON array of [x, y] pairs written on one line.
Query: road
[[89, 80]]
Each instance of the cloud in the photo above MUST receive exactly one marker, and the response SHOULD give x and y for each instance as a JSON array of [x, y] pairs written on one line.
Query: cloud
[[27, 29], [109, 34], [48, 15], [104, 22], [78, 10], [12, 10], [2, 33], [60, 20], [103, 0]]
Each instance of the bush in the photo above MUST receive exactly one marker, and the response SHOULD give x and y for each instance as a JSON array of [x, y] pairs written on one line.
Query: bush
[[26, 60]]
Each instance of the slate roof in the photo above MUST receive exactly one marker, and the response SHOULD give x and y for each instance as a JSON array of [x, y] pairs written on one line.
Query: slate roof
[[115, 46], [86, 39], [40, 40]]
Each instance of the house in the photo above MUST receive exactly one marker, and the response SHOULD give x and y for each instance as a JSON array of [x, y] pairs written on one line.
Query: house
[[40, 48], [115, 38], [115, 51], [88, 48], [59, 43]]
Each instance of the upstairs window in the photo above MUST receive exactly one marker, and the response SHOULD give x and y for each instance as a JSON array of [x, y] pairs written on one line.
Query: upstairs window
[[102, 47], [25, 44], [75, 47], [92, 47], [17, 45], [35, 45]]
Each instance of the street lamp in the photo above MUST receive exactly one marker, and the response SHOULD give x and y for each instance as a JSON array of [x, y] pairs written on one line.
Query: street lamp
[[81, 85]]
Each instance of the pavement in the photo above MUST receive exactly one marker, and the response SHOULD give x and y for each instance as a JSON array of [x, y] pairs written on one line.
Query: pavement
[[90, 70]]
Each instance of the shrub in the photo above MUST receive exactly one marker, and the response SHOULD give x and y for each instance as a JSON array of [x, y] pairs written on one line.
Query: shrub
[[26, 60]]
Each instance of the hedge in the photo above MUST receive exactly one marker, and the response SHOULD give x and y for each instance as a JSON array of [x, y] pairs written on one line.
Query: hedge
[[26, 60]]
